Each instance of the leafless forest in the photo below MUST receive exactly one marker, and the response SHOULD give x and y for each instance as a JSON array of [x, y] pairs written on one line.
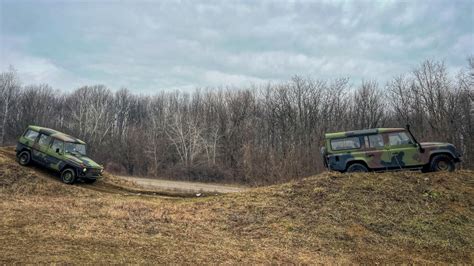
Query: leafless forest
[[257, 135]]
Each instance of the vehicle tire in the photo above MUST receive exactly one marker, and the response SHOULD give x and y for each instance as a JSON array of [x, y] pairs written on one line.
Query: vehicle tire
[[89, 181], [68, 176], [24, 158], [357, 168], [442, 163]]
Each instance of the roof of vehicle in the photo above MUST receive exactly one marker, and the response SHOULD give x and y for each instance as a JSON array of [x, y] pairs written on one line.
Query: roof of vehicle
[[56, 134], [361, 132]]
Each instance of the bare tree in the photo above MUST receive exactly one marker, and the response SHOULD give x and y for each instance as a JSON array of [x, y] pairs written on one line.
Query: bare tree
[[368, 108], [9, 86], [260, 134]]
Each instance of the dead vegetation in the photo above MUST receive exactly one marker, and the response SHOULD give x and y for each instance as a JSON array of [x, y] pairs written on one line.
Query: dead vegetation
[[364, 218]]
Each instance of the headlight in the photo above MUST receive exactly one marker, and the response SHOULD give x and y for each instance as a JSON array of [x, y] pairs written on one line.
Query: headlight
[[84, 170], [102, 170]]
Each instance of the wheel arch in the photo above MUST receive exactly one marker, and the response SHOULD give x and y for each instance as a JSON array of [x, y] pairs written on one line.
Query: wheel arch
[[442, 152], [354, 161], [68, 165], [22, 150]]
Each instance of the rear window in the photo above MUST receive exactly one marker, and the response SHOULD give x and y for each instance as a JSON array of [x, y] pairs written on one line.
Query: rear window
[[345, 144], [31, 134]]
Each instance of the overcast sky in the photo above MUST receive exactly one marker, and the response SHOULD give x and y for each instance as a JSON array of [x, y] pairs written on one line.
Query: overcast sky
[[148, 46]]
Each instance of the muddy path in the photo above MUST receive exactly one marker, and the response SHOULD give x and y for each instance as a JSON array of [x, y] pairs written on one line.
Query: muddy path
[[184, 186]]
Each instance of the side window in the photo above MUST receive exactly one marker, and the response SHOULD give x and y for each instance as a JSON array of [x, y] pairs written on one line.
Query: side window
[[376, 141], [44, 140], [399, 138], [31, 134], [345, 144], [57, 144]]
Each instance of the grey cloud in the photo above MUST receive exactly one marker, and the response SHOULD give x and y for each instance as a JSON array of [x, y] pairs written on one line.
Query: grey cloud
[[156, 45]]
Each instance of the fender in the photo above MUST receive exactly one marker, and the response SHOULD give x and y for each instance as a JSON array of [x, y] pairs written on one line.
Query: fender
[[68, 165], [448, 151], [339, 162], [21, 147], [356, 160]]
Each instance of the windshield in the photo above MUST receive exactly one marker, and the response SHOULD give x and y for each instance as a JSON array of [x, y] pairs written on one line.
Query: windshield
[[75, 148]]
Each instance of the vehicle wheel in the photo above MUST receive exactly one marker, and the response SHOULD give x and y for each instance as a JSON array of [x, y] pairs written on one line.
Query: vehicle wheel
[[68, 176], [357, 168], [24, 158], [442, 163], [89, 181]]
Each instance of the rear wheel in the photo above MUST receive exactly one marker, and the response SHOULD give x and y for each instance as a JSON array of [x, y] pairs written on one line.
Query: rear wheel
[[68, 176], [442, 163], [357, 168], [24, 158]]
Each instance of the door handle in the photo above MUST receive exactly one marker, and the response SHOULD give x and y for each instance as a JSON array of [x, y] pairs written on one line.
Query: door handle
[[370, 155]]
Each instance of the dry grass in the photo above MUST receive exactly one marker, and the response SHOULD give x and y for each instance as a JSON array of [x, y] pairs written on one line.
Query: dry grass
[[390, 218]]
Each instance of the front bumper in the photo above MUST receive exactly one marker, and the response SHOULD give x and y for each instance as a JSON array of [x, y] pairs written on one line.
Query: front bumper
[[90, 173]]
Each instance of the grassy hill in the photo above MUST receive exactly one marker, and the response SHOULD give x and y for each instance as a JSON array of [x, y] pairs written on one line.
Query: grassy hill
[[390, 218]]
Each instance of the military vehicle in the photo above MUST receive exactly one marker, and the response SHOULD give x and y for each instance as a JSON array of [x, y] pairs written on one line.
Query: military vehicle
[[383, 149], [57, 151]]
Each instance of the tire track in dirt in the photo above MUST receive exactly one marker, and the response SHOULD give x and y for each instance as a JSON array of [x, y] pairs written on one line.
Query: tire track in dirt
[[186, 186]]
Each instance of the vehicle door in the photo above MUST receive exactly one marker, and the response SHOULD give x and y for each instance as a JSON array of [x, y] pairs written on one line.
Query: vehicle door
[[40, 148], [376, 153], [55, 152], [403, 151]]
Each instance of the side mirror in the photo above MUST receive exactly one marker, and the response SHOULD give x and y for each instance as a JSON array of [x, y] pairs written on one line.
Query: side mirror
[[57, 151]]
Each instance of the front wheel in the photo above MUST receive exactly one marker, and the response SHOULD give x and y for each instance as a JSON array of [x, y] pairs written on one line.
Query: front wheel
[[68, 176], [357, 168], [442, 163], [24, 158]]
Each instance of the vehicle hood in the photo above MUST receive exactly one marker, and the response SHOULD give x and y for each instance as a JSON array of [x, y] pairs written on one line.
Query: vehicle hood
[[80, 159], [434, 144], [441, 145]]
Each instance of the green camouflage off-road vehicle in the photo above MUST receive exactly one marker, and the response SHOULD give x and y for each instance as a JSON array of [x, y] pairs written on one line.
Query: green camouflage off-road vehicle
[[384, 149], [57, 151]]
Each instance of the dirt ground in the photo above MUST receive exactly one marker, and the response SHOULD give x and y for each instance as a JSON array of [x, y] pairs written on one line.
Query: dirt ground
[[193, 187], [330, 218]]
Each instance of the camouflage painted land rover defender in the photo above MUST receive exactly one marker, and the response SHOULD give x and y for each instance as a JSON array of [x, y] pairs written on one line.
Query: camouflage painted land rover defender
[[386, 149], [58, 151]]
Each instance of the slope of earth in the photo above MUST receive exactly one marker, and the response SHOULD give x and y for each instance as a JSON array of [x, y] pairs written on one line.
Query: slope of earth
[[328, 218]]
